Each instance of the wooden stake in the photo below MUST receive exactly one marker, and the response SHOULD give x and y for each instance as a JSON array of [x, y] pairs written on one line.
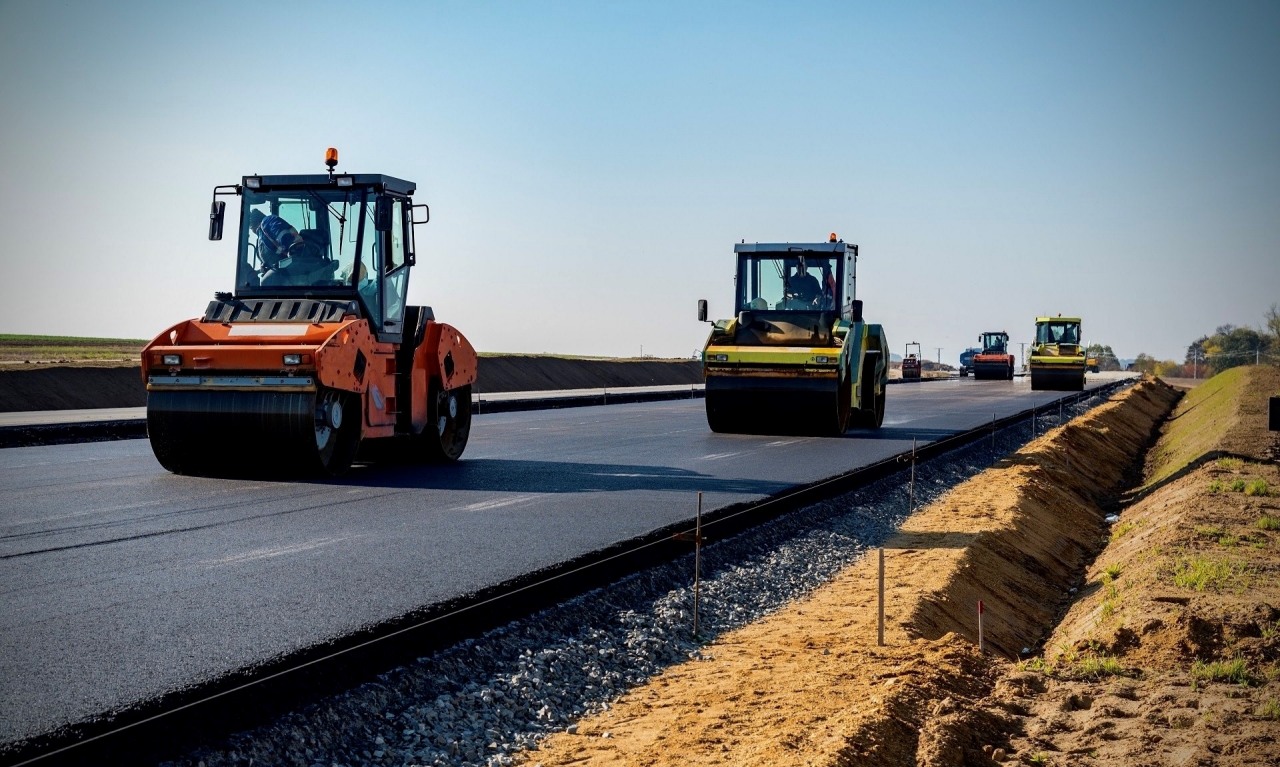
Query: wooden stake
[[880, 629]]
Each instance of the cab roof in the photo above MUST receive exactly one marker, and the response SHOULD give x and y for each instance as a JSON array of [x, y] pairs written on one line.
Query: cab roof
[[1041, 320], [377, 181], [797, 247]]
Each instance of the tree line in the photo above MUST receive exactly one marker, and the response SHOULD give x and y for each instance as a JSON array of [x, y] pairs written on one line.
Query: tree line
[[1227, 347]]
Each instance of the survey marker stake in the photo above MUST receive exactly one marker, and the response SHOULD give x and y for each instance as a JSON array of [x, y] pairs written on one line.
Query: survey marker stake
[[980, 611], [696, 537]]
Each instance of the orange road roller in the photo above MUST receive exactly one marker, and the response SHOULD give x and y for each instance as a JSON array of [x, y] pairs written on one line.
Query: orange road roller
[[315, 359]]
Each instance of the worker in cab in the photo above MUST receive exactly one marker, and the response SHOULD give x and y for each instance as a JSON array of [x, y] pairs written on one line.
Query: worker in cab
[[276, 240], [803, 289]]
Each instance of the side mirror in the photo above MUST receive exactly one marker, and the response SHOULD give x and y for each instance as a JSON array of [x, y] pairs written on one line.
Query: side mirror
[[421, 214], [702, 310], [382, 214], [217, 213], [856, 313]]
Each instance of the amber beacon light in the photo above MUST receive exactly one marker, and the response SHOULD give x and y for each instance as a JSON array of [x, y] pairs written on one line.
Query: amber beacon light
[[331, 158]]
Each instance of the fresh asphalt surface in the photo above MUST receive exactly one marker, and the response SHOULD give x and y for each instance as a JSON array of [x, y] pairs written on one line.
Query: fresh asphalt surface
[[121, 581]]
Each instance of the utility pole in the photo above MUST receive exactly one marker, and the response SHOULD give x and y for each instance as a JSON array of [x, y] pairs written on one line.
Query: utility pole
[[1022, 353], [939, 348]]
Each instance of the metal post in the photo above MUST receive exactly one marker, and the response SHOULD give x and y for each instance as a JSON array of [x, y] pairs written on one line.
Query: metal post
[[911, 488], [697, 562], [880, 629], [993, 434]]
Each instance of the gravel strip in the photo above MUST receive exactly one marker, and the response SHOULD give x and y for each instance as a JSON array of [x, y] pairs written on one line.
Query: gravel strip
[[483, 700]]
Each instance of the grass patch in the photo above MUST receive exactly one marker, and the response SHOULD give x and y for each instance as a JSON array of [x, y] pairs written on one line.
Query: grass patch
[[1111, 571], [1230, 464], [1216, 487], [1097, 667], [1210, 531], [1119, 530], [1257, 487], [1234, 671], [1039, 757], [1237, 486], [1269, 709], [1201, 573], [1268, 522], [1198, 425]]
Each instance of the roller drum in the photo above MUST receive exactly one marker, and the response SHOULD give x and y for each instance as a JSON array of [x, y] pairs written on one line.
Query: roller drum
[[253, 433], [775, 406]]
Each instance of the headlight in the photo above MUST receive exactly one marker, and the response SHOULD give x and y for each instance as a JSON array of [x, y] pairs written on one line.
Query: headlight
[[344, 180], [252, 182], [172, 360], [822, 360], [719, 358], [293, 359]]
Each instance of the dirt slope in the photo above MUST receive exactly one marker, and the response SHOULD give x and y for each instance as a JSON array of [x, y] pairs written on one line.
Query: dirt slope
[[809, 685]]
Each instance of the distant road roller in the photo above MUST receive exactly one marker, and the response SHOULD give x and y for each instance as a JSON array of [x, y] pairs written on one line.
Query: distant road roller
[[798, 357], [1057, 356], [994, 362], [316, 356]]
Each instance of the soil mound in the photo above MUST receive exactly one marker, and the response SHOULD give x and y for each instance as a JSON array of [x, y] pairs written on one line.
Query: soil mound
[[810, 686], [84, 387]]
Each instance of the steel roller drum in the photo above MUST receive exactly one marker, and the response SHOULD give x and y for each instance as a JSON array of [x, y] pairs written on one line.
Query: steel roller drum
[[253, 433], [774, 406]]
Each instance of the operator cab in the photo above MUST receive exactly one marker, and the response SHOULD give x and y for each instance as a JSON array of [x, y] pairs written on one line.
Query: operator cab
[[330, 238], [994, 343], [1058, 331]]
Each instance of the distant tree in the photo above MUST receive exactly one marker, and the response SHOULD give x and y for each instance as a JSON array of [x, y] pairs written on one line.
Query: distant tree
[[1195, 352], [1107, 359], [1239, 346], [1273, 325], [1145, 363], [1168, 368]]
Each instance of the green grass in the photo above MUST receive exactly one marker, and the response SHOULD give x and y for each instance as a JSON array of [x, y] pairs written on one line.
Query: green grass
[[1268, 522], [1230, 464], [1235, 671], [11, 339], [1039, 757], [1201, 573], [1268, 710], [1097, 667], [1111, 571], [1198, 424], [1216, 487], [1257, 487], [1237, 486], [1119, 530]]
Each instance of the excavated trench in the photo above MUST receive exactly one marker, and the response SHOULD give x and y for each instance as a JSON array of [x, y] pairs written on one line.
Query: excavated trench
[[809, 685]]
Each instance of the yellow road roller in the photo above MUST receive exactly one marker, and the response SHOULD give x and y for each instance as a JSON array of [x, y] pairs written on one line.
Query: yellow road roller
[[797, 357]]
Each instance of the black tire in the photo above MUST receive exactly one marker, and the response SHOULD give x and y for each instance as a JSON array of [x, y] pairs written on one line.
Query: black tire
[[871, 414], [844, 405], [444, 438]]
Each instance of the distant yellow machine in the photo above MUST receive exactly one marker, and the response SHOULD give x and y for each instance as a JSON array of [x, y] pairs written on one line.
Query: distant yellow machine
[[1057, 356]]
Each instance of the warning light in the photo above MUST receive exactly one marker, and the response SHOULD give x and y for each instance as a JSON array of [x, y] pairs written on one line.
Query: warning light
[[331, 158], [832, 237]]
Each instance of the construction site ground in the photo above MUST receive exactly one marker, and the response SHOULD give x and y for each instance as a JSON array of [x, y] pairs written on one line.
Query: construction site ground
[[1131, 595]]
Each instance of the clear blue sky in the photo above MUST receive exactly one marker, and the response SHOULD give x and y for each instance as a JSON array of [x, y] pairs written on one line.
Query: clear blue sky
[[589, 165]]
